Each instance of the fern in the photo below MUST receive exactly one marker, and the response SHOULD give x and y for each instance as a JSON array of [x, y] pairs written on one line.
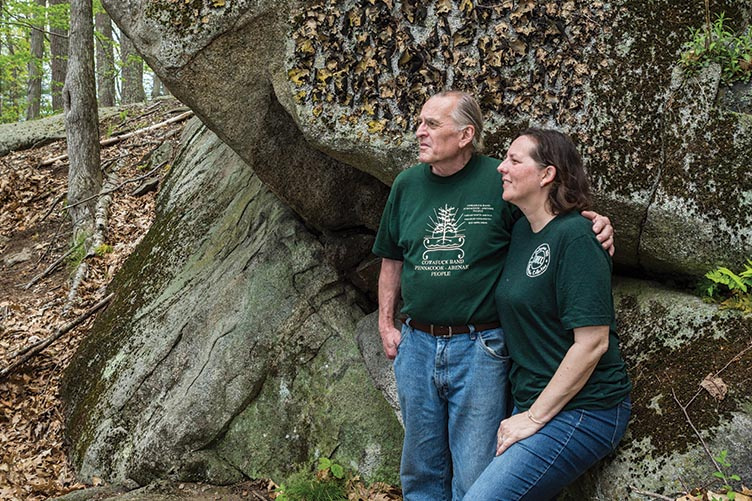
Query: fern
[[729, 289]]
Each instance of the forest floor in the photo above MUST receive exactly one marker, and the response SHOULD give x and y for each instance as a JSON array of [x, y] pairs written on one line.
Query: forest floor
[[34, 233]]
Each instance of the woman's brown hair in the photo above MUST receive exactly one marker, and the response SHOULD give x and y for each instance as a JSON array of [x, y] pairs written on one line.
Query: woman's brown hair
[[570, 189]]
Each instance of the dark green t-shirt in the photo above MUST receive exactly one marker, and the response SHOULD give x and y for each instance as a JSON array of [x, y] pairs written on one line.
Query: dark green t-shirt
[[452, 235], [553, 281]]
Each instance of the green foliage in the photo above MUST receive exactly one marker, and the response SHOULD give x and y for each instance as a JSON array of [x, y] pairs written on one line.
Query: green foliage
[[729, 289], [328, 484], [718, 44], [78, 252], [103, 249], [723, 461]]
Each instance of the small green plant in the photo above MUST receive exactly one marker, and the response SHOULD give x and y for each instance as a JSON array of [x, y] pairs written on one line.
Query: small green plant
[[328, 484], [723, 461], [103, 249], [715, 43], [729, 289], [123, 115], [78, 251]]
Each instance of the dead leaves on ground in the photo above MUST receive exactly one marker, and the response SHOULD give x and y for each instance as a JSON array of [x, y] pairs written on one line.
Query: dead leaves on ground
[[33, 463], [744, 495]]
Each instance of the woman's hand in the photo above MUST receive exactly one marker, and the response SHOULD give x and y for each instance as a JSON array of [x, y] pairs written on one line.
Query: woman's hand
[[514, 429]]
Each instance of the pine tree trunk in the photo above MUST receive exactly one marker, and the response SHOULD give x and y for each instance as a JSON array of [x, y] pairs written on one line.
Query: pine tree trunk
[[133, 72], [105, 60], [36, 47], [81, 119], [58, 59]]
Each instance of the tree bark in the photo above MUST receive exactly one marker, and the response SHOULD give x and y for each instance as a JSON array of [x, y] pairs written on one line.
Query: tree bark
[[157, 89], [133, 72], [14, 90], [36, 48], [106, 72], [2, 82], [58, 56], [81, 119]]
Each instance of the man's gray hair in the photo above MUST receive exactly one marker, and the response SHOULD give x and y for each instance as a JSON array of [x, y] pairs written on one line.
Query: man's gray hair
[[467, 112]]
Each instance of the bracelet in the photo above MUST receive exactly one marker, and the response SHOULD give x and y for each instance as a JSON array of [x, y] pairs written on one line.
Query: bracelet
[[532, 418]]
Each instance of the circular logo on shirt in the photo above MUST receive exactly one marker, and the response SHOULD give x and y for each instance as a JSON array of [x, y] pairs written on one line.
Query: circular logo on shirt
[[538, 263]]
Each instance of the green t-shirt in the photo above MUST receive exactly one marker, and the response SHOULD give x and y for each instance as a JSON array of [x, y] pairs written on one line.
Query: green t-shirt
[[553, 281], [452, 235]]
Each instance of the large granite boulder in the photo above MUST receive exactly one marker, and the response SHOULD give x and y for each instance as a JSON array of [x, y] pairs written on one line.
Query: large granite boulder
[[228, 351], [667, 155], [671, 341]]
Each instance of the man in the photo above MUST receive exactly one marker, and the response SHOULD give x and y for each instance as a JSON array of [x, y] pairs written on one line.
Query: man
[[443, 239]]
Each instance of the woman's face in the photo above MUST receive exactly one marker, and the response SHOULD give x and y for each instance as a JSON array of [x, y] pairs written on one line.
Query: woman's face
[[521, 175]]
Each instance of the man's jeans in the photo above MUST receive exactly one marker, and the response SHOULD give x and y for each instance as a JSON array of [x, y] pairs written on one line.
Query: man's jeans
[[453, 395], [540, 466]]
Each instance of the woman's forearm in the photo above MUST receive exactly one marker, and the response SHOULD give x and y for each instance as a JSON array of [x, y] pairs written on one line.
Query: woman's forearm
[[590, 343]]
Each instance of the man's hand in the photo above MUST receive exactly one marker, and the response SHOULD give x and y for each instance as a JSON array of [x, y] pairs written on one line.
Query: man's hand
[[603, 230], [390, 340]]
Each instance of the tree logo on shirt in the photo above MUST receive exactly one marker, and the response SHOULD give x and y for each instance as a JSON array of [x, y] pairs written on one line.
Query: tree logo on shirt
[[446, 232], [539, 261]]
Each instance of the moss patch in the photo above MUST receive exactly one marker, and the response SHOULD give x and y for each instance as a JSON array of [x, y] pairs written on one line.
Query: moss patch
[[659, 371]]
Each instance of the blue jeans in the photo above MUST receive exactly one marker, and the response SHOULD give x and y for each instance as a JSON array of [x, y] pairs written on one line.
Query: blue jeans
[[540, 466], [453, 394]]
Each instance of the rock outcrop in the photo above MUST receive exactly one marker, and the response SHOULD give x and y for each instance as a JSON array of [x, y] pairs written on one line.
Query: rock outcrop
[[667, 155], [231, 338], [229, 350]]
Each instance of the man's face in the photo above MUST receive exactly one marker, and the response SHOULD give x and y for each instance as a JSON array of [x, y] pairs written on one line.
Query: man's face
[[437, 133]]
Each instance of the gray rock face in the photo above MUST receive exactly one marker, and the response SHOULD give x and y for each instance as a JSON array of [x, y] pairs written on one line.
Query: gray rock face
[[231, 297], [665, 152], [229, 350], [671, 341]]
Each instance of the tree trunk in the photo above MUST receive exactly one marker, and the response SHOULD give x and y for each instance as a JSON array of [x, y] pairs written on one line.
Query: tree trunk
[[36, 48], [106, 72], [156, 86], [133, 72], [14, 92], [81, 119], [58, 54], [2, 82]]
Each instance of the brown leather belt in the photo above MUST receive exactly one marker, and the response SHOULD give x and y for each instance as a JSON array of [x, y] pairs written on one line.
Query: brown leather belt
[[449, 330]]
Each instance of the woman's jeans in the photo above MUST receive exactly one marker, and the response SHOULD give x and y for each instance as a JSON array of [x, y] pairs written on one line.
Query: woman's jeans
[[540, 466], [453, 394]]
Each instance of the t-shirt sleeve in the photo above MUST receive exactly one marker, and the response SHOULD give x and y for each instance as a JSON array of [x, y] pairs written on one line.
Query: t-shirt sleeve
[[583, 284], [386, 244]]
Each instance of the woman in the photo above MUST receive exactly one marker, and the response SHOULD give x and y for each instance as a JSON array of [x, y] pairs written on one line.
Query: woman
[[568, 380]]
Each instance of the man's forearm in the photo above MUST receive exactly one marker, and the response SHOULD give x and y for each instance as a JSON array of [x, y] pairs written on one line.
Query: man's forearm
[[389, 291]]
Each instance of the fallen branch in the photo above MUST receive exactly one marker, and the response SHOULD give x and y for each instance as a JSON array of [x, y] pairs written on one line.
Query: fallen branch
[[52, 207], [97, 237], [112, 190], [650, 494], [691, 424], [112, 140], [51, 267], [734, 359], [37, 347], [684, 407]]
